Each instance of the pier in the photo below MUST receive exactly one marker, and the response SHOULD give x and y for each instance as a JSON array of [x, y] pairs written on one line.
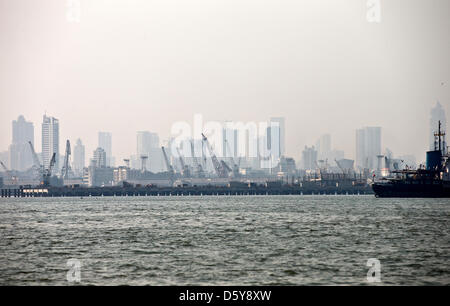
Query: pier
[[181, 191]]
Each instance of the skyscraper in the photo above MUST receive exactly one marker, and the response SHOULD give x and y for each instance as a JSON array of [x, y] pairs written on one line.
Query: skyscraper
[[50, 141], [99, 159], [19, 152], [78, 158], [105, 142], [281, 133], [309, 158], [437, 114], [148, 145], [368, 146], [146, 141], [323, 146]]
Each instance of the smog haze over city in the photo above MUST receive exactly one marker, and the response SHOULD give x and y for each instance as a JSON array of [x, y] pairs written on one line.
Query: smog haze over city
[[128, 66], [219, 150]]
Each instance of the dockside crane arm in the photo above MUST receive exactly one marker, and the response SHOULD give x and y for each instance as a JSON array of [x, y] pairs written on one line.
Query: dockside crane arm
[[36, 161], [220, 170], [65, 168], [169, 166], [3, 166]]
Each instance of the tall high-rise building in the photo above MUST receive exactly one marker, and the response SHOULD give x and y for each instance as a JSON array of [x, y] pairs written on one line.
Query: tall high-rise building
[[146, 141], [230, 138], [148, 145], [105, 142], [309, 158], [50, 141], [99, 159], [280, 133], [79, 158], [20, 157], [323, 147], [368, 146], [437, 114]]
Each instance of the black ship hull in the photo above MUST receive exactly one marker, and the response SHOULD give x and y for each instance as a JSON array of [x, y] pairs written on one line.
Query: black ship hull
[[405, 190]]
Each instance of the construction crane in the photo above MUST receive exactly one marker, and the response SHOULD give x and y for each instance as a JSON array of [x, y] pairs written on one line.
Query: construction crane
[[3, 166], [36, 162], [184, 168], [169, 166], [45, 174], [37, 167], [48, 172], [197, 165], [9, 173], [66, 167], [221, 170]]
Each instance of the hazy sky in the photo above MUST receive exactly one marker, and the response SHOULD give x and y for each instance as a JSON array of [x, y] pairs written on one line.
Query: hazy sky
[[142, 65]]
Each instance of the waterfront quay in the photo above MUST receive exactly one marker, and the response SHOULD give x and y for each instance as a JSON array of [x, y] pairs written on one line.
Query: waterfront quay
[[68, 191]]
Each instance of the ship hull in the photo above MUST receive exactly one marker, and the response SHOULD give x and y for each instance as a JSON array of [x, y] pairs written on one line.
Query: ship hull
[[402, 190]]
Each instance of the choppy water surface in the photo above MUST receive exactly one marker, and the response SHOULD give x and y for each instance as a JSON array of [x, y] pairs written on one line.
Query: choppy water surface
[[237, 240]]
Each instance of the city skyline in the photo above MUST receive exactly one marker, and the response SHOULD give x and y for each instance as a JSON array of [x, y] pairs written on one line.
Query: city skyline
[[220, 150], [95, 76], [369, 143]]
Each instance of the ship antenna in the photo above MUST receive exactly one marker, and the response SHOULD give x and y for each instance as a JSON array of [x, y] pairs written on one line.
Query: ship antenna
[[439, 131]]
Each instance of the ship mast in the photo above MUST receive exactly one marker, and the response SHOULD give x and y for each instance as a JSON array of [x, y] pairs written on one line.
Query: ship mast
[[439, 134]]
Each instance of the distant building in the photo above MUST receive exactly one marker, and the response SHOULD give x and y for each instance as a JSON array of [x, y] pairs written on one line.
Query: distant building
[[230, 142], [100, 176], [120, 174], [281, 134], [99, 159], [79, 158], [287, 165], [323, 146], [309, 158], [20, 156], [50, 141], [146, 141], [148, 145], [368, 146], [437, 114], [105, 142]]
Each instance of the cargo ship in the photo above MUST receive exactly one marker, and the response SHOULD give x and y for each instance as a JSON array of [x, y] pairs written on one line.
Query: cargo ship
[[431, 181]]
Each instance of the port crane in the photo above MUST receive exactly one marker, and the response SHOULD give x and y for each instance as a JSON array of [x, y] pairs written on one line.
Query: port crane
[[66, 167], [339, 165], [3, 166], [9, 173], [48, 172], [37, 167], [36, 162], [45, 174], [169, 166], [222, 169], [198, 166], [184, 168]]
